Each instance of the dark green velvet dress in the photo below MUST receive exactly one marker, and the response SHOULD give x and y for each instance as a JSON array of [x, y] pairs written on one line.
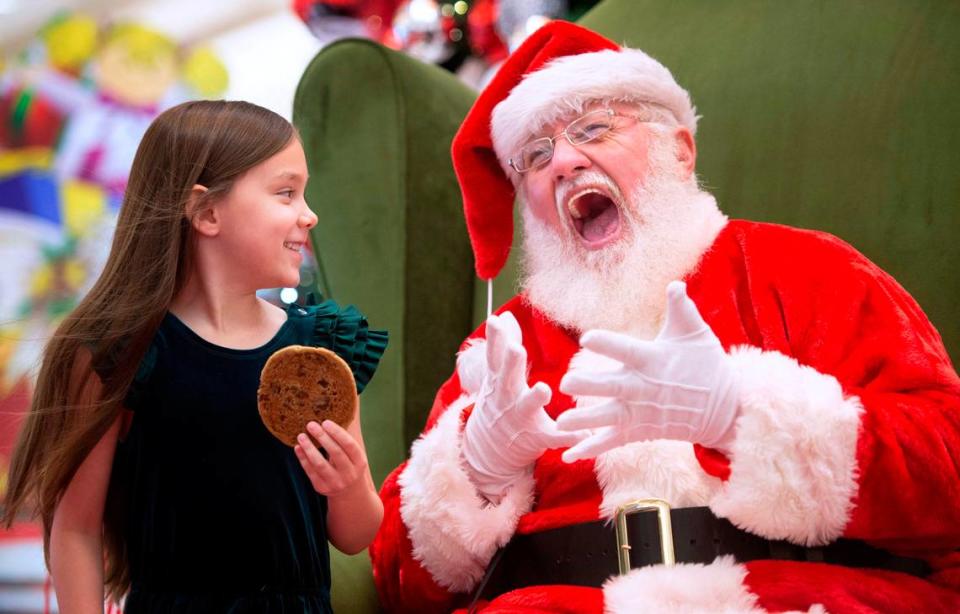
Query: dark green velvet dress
[[220, 516]]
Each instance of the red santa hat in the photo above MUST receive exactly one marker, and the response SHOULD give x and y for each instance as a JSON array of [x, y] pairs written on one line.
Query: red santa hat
[[557, 70]]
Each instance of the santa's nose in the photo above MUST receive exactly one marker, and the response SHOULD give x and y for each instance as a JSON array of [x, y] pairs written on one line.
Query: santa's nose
[[567, 160]]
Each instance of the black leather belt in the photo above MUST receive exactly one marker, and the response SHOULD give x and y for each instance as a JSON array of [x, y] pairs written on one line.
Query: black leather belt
[[587, 554]]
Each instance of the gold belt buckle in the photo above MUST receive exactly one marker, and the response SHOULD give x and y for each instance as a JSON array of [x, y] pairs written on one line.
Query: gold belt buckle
[[666, 530]]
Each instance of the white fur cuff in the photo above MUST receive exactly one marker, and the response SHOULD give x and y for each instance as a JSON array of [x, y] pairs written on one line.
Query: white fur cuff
[[793, 467], [453, 532]]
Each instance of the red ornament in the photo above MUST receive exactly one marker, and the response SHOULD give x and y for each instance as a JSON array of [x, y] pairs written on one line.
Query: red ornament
[[27, 120], [485, 41]]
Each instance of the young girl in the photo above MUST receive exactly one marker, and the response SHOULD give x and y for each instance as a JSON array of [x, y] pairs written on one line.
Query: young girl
[[144, 450]]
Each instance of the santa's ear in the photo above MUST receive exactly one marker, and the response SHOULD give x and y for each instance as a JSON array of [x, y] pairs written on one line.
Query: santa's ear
[[686, 151], [202, 213]]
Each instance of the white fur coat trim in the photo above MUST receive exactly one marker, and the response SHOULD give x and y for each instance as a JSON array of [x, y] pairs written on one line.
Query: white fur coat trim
[[793, 466], [684, 589], [472, 366], [453, 532], [565, 84], [661, 469]]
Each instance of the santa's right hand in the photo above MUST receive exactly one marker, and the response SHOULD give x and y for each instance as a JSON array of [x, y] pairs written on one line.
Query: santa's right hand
[[508, 429]]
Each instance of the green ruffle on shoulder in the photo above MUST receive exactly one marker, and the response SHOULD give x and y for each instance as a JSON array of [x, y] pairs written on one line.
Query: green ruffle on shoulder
[[104, 361], [345, 331], [137, 391]]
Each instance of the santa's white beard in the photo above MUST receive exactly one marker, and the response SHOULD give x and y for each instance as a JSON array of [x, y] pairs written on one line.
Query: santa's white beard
[[667, 225]]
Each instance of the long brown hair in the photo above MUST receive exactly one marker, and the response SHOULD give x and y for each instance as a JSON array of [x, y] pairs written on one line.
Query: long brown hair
[[210, 143]]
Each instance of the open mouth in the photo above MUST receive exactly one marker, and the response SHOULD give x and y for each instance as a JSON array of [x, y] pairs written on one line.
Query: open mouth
[[293, 246], [595, 217]]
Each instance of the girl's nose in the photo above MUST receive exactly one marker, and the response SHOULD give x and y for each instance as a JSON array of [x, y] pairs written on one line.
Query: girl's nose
[[308, 219]]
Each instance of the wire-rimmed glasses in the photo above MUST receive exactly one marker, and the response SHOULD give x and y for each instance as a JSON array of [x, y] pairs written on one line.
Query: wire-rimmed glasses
[[586, 128]]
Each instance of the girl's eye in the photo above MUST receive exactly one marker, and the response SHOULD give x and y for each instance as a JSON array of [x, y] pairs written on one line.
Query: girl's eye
[[286, 193]]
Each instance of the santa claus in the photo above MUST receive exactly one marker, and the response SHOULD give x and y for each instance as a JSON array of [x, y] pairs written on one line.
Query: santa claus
[[679, 412]]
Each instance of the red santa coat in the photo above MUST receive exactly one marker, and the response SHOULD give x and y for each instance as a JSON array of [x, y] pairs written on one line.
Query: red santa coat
[[849, 426]]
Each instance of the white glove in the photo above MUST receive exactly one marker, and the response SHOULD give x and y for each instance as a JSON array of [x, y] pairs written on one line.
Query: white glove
[[508, 429], [681, 386]]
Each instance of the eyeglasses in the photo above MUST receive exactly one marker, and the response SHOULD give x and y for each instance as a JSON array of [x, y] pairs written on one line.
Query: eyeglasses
[[586, 128]]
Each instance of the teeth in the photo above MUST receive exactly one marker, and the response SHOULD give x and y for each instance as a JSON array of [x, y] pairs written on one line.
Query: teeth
[[294, 246], [573, 209]]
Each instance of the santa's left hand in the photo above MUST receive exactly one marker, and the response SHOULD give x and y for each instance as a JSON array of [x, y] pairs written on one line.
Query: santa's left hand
[[680, 385]]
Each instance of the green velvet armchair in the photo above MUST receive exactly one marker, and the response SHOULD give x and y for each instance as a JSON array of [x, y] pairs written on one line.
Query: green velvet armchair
[[376, 126], [838, 116], [826, 115]]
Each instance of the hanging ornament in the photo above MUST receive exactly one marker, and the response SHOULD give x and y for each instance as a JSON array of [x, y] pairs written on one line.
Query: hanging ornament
[[27, 119], [419, 30], [518, 19], [485, 40], [329, 20]]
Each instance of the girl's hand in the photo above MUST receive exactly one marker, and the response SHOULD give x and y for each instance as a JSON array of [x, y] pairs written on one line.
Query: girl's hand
[[345, 466], [342, 474]]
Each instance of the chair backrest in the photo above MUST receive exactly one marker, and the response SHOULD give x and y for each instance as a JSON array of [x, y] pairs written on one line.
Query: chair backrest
[[376, 127], [839, 116]]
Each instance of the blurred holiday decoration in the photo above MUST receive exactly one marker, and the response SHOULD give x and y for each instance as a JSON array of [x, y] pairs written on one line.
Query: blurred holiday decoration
[[54, 236], [26, 119], [331, 20], [69, 41], [518, 19], [468, 37], [419, 30], [485, 39], [204, 73], [133, 74], [73, 107], [74, 104]]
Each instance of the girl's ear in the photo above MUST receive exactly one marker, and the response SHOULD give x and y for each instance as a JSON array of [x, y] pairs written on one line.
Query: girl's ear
[[203, 216]]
